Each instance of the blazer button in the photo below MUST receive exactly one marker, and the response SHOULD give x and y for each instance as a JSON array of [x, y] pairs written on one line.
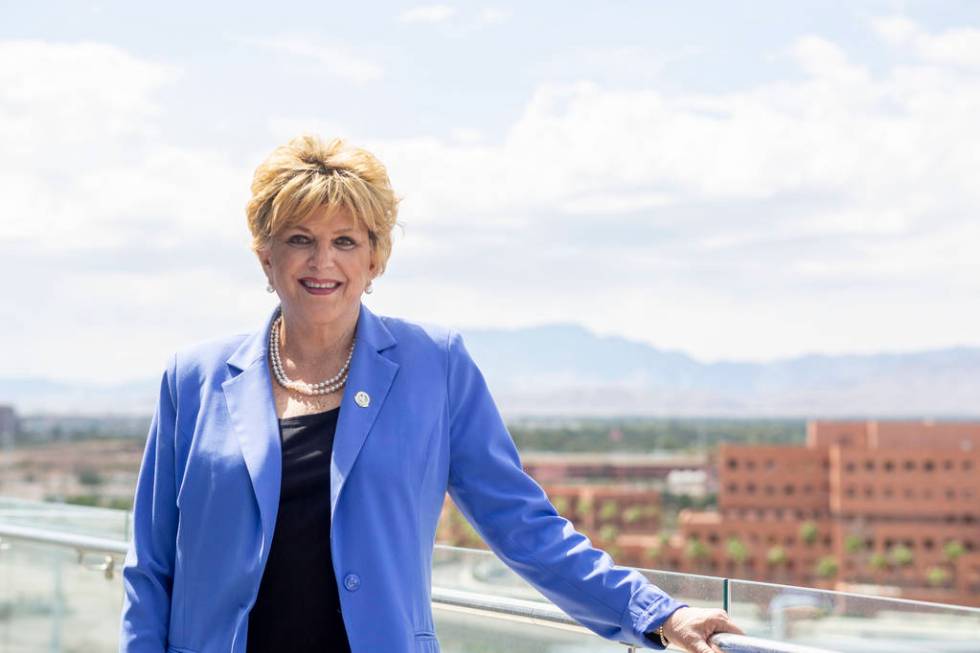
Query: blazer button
[[352, 582]]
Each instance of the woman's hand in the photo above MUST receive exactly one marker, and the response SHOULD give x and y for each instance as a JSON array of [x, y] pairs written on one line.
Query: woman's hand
[[690, 628]]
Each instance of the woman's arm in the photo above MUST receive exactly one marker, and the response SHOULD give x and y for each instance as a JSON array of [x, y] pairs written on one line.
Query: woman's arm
[[515, 517], [149, 568]]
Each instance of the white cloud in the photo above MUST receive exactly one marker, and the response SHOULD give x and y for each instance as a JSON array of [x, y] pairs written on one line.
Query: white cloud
[[844, 193], [954, 47], [427, 14], [106, 228], [834, 212], [335, 60], [494, 15]]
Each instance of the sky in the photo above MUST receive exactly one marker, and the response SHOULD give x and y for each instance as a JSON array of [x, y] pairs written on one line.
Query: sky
[[737, 181]]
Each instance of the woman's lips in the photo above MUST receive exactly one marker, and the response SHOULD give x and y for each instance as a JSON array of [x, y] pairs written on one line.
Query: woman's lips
[[320, 287]]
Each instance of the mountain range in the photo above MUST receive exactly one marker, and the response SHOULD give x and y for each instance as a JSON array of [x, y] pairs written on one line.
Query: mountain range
[[565, 369]]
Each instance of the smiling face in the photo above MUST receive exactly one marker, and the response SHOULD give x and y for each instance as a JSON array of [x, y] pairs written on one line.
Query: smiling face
[[320, 267]]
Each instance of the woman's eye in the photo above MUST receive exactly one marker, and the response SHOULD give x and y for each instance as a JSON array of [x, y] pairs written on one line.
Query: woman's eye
[[298, 239], [345, 242]]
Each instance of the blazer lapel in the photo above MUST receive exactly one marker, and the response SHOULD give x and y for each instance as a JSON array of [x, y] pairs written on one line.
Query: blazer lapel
[[252, 410], [372, 374]]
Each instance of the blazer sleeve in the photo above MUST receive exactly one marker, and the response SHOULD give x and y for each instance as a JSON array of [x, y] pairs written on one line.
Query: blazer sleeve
[[149, 568], [514, 516]]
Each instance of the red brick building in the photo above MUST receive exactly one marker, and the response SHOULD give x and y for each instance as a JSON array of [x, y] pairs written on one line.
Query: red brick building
[[874, 502]]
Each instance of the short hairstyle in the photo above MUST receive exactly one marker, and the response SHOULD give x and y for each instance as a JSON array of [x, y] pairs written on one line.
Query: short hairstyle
[[309, 172]]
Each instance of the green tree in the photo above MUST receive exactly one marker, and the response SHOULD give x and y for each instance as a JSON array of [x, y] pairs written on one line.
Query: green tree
[[901, 555], [90, 477], [809, 533], [853, 544], [952, 551], [737, 552], [776, 556], [608, 510], [608, 533], [697, 551], [937, 576], [827, 567], [561, 505], [878, 562], [633, 514], [653, 553]]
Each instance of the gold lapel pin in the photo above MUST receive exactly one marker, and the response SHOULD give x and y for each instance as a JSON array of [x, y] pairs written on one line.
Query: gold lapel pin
[[362, 399]]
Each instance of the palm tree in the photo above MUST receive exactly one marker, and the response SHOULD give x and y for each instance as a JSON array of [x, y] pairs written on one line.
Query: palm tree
[[737, 552]]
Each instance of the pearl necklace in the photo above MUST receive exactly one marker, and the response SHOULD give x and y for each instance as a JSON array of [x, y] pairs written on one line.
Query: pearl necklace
[[333, 384]]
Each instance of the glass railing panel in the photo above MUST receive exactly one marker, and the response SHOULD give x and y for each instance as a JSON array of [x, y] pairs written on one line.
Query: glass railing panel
[[697, 591], [483, 572], [852, 623], [66, 518], [460, 631], [50, 602]]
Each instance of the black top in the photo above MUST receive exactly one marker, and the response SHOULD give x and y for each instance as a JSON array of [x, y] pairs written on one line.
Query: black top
[[298, 608]]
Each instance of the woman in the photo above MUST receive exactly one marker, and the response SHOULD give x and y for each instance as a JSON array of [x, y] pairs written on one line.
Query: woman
[[293, 477]]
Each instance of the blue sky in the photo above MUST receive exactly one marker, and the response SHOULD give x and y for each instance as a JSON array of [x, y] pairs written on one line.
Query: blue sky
[[734, 180]]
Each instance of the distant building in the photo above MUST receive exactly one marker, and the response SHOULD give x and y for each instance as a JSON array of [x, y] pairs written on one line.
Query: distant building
[[883, 503], [8, 426], [632, 468]]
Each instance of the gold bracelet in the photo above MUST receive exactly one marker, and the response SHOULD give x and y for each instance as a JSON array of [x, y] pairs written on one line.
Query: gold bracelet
[[660, 634]]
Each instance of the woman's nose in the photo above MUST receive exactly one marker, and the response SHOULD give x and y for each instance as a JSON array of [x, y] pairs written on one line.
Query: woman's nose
[[320, 257]]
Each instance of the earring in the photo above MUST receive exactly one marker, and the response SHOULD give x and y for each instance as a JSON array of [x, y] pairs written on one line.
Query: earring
[[368, 290], [269, 288]]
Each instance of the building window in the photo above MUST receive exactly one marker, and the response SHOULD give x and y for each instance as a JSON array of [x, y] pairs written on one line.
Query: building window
[[910, 465], [889, 466], [732, 463], [928, 466], [948, 465], [849, 467], [869, 465], [789, 489]]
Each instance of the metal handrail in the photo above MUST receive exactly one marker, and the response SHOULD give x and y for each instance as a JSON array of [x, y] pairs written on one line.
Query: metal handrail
[[538, 612]]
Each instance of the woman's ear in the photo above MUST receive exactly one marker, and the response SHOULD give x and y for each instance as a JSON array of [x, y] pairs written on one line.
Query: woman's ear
[[265, 261]]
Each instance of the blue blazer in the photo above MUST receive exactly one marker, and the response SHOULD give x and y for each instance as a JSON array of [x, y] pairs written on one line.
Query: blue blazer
[[208, 492]]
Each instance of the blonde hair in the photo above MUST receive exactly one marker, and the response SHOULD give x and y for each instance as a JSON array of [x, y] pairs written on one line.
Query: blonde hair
[[307, 173]]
